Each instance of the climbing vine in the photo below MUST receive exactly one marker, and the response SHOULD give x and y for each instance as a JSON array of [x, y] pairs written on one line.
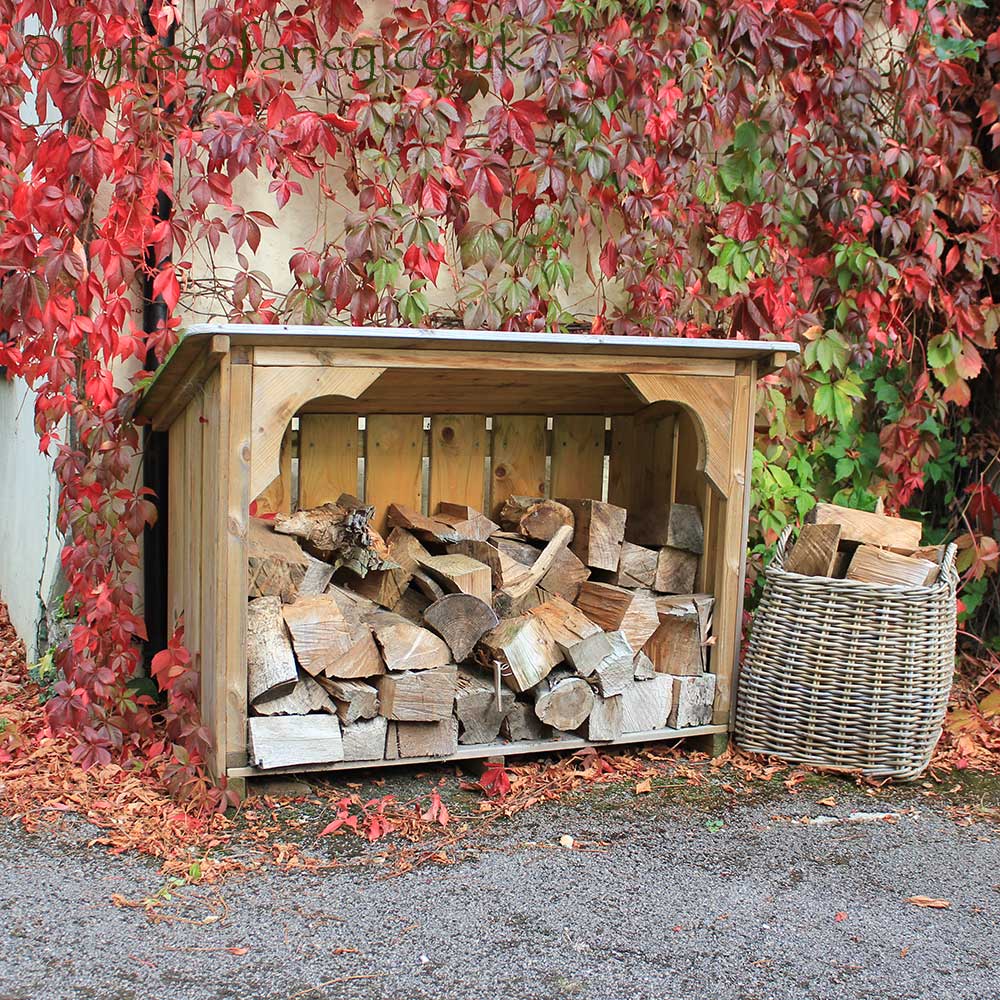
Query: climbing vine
[[824, 172]]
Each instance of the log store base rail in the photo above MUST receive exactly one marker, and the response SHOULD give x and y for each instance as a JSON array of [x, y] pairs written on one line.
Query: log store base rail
[[637, 422]]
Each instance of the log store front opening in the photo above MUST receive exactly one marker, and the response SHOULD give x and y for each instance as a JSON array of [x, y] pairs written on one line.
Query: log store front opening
[[555, 555]]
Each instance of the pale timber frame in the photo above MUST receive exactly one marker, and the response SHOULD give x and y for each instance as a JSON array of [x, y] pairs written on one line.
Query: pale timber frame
[[681, 414]]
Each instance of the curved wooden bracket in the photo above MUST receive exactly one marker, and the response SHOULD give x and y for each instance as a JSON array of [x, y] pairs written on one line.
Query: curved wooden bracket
[[709, 399], [278, 394]]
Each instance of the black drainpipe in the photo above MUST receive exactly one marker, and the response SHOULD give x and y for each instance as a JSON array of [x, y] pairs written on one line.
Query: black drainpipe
[[155, 462]]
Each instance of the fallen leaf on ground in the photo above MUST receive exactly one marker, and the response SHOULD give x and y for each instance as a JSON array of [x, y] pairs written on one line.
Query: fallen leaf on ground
[[840, 916], [238, 951], [828, 801], [644, 786], [929, 903], [566, 841]]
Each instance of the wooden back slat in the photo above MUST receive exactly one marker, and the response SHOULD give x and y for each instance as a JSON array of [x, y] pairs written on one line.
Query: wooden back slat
[[578, 457], [394, 450], [519, 452], [458, 448], [328, 457]]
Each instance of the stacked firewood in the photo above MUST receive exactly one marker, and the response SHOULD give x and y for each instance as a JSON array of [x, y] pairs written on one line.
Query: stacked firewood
[[563, 618], [870, 547]]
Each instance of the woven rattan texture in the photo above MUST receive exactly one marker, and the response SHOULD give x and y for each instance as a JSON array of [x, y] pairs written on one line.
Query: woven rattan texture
[[848, 675]]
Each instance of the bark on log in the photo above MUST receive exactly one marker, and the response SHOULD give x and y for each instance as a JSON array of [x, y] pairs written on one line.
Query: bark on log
[[337, 536], [317, 578], [271, 669], [693, 699], [521, 723], [386, 587], [535, 517], [461, 620]]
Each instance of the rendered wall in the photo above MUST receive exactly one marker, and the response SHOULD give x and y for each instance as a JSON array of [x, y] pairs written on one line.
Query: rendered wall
[[29, 543]]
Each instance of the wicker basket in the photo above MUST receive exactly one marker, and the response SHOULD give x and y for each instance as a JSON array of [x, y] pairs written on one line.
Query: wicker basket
[[847, 675]]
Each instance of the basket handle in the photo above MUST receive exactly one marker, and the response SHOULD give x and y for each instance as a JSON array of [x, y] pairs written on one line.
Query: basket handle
[[778, 559]]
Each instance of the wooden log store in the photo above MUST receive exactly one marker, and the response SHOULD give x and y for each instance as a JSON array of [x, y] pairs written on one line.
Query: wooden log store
[[392, 546]]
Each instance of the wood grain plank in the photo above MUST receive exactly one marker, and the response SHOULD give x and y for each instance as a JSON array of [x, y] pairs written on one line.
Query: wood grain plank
[[192, 478], [277, 497], [328, 457], [621, 462], [518, 450], [176, 522], [458, 448], [394, 446], [578, 457], [236, 452]]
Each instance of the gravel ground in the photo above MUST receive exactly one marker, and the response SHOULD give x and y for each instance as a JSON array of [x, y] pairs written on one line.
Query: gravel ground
[[662, 905]]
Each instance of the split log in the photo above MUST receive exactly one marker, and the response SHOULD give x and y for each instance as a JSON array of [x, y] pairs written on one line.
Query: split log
[[271, 669], [598, 534], [471, 524], [460, 575], [406, 646], [354, 607], [386, 586], [293, 740], [482, 552], [642, 667], [305, 697], [320, 632], [606, 658], [365, 739], [636, 566], [535, 517], [678, 644], [693, 698], [866, 528], [412, 606], [317, 578], [874, 565], [531, 576], [339, 536], [614, 608], [461, 620], [429, 529], [427, 585], [565, 576], [354, 699], [515, 547], [421, 739], [815, 551], [607, 719], [418, 696], [677, 525], [564, 701], [521, 723], [676, 571], [276, 565], [476, 708], [566, 624], [523, 648], [646, 705], [363, 659]]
